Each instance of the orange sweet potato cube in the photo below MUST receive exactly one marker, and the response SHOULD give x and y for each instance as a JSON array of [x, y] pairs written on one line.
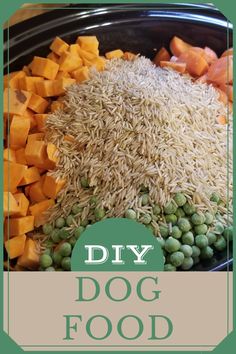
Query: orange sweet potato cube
[[20, 156], [36, 192], [59, 46], [44, 67], [51, 186], [30, 257], [38, 209], [12, 174], [117, 53], [15, 246], [10, 205], [38, 104], [69, 62], [9, 155], [31, 175], [12, 80], [81, 74], [23, 204], [35, 152], [19, 130], [15, 101], [41, 121], [21, 225]]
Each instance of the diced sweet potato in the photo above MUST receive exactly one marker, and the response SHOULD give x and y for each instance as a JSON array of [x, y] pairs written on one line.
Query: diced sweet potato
[[38, 104], [31, 175], [54, 57], [74, 49], [10, 205], [180, 67], [62, 75], [117, 53], [38, 209], [13, 173], [27, 83], [178, 46], [196, 65], [30, 114], [59, 86], [59, 46], [36, 192], [81, 74], [129, 56], [228, 90], [44, 67], [15, 246], [52, 187], [35, 152], [88, 43], [98, 63], [52, 153], [23, 204], [12, 80], [9, 155], [41, 121], [19, 130], [15, 101], [26, 70], [20, 226], [36, 136], [162, 55], [69, 62], [210, 55], [45, 88], [30, 257]]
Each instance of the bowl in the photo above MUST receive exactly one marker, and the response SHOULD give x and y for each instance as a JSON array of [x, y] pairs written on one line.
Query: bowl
[[137, 28]]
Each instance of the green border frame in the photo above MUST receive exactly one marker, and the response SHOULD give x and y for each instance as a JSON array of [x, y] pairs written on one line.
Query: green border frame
[[229, 10]]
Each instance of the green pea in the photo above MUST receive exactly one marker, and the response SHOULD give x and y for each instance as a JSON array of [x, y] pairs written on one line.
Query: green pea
[[144, 199], [180, 199], [146, 219], [55, 235], [156, 210], [170, 208], [161, 242], [177, 258], [215, 198], [99, 213], [169, 268], [47, 229], [211, 238], [130, 214], [172, 245], [60, 222], [200, 229], [57, 257], [78, 231], [184, 224], [186, 250], [50, 269], [47, 251], [220, 244], [84, 222], [197, 219], [93, 200], [65, 249], [201, 241], [207, 253], [209, 218], [84, 182], [45, 261], [176, 232], [76, 209], [72, 241], [180, 213], [64, 234], [195, 251], [219, 228], [228, 233], [70, 220], [164, 230], [171, 218], [189, 209], [66, 263], [187, 263], [188, 238]]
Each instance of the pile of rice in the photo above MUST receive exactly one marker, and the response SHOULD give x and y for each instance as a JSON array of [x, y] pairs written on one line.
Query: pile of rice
[[135, 124]]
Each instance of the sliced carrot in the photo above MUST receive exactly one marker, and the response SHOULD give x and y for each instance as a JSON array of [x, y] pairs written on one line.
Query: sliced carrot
[[178, 46], [227, 52], [196, 64], [162, 55], [221, 71], [180, 67]]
